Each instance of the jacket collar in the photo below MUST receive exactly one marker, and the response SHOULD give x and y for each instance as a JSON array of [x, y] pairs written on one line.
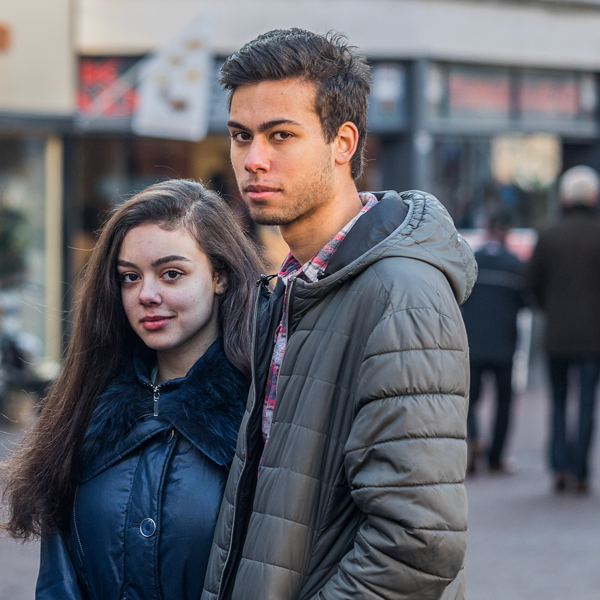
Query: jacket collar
[[206, 406], [411, 225]]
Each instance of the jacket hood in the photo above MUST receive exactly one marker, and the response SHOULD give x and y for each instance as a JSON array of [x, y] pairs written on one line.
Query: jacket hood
[[413, 225], [206, 406]]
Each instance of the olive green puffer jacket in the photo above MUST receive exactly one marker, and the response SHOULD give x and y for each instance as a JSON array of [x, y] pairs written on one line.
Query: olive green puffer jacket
[[361, 491]]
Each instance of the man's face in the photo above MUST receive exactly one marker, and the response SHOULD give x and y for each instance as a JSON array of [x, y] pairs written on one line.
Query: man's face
[[284, 168]]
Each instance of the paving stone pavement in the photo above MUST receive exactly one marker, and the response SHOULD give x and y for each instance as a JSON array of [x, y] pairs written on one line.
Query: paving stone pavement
[[18, 562], [525, 543]]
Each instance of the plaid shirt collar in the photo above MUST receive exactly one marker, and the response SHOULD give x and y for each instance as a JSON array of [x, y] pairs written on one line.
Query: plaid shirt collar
[[311, 270]]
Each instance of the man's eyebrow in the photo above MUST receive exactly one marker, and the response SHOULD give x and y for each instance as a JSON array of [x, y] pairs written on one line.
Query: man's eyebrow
[[263, 126], [157, 262]]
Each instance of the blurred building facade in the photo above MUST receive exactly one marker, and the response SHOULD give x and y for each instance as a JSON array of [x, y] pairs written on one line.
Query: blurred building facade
[[482, 103]]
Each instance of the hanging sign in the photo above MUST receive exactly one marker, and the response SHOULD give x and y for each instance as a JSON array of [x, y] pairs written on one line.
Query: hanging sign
[[174, 86]]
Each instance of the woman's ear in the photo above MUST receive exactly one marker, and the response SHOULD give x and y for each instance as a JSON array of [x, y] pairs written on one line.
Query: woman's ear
[[220, 281]]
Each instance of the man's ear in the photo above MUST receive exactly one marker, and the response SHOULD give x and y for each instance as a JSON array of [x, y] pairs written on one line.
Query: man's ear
[[221, 283], [345, 143]]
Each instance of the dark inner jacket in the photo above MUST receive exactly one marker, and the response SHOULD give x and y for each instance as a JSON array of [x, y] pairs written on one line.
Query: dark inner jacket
[[490, 313], [150, 487], [361, 492]]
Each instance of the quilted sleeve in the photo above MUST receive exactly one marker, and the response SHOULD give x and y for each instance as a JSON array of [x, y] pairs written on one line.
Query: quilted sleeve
[[405, 460]]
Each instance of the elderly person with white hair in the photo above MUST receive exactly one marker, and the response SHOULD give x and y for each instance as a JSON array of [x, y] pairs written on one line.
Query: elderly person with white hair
[[564, 276]]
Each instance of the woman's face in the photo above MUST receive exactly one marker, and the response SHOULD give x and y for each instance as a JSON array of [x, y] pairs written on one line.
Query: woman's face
[[169, 290]]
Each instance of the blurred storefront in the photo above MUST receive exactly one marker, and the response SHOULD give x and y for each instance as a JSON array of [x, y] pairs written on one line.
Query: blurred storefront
[[482, 136], [483, 104], [37, 82]]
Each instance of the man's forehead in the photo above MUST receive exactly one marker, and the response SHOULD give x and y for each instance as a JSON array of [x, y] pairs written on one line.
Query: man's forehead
[[269, 100]]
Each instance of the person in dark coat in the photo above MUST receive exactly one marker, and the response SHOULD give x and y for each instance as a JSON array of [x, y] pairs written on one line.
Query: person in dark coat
[[564, 276], [124, 471], [490, 316]]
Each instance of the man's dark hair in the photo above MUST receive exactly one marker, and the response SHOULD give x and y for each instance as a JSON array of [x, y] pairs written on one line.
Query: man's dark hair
[[342, 78]]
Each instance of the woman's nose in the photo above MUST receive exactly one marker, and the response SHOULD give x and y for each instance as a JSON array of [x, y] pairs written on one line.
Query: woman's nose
[[149, 292]]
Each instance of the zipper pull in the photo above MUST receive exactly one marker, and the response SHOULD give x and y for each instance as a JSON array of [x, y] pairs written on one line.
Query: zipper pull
[[156, 396]]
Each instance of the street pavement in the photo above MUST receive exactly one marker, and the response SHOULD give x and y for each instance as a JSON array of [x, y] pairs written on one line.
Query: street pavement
[[525, 542]]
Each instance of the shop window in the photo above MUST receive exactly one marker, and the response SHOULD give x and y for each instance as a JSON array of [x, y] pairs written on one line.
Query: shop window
[[556, 96], [387, 101], [475, 175], [497, 97], [23, 306], [459, 92]]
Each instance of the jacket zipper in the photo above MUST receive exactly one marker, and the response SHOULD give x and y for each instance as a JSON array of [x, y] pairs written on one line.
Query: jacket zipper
[[156, 390], [237, 489], [155, 397], [288, 310]]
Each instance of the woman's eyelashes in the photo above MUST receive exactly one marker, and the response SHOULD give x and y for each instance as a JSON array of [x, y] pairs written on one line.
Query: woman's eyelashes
[[167, 275], [172, 274], [128, 277]]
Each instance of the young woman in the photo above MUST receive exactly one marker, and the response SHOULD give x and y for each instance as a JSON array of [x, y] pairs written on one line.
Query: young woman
[[123, 473]]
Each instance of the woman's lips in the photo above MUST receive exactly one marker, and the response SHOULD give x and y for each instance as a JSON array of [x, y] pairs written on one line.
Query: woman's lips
[[154, 323]]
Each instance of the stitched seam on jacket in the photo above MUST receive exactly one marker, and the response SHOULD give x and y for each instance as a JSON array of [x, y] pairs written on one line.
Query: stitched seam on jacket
[[312, 378], [327, 435], [369, 399], [423, 395], [407, 565], [401, 350], [291, 471], [264, 562], [256, 512], [407, 438], [434, 529], [410, 308], [408, 485]]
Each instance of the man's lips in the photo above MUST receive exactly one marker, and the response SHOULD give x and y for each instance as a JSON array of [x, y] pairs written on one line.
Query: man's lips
[[155, 322], [260, 192]]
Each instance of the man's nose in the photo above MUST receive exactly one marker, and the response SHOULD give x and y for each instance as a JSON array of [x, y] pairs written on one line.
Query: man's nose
[[257, 158]]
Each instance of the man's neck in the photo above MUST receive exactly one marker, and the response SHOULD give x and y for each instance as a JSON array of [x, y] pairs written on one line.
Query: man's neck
[[308, 235]]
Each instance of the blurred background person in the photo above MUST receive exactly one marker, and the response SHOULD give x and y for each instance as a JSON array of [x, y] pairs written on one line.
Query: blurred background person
[[564, 275], [490, 316]]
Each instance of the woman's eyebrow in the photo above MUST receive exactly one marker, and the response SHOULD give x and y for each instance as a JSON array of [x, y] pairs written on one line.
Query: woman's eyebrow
[[125, 263], [157, 262], [168, 259]]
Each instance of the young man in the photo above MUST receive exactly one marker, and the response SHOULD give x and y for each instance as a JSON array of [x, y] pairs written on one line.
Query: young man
[[348, 475]]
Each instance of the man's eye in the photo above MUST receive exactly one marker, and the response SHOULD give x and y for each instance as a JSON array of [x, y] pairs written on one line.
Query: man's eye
[[241, 136]]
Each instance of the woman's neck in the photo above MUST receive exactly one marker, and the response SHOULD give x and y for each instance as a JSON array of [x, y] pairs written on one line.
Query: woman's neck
[[176, 362]]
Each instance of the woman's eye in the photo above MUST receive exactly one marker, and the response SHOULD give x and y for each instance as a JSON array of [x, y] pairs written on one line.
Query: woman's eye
[[280, 136], [128, 277], [171, 275]]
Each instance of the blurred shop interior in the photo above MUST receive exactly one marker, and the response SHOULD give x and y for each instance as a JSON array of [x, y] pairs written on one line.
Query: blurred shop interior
[[478, 136]]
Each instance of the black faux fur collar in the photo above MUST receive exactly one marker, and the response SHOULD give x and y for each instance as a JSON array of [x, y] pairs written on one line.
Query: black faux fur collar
[[206, 406]]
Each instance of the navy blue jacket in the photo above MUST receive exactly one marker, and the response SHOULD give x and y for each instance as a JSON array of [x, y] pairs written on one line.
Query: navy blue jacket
[[490, 313], [150, 486]]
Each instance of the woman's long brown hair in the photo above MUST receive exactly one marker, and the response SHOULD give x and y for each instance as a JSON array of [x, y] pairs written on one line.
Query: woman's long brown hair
[[40, 478]]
